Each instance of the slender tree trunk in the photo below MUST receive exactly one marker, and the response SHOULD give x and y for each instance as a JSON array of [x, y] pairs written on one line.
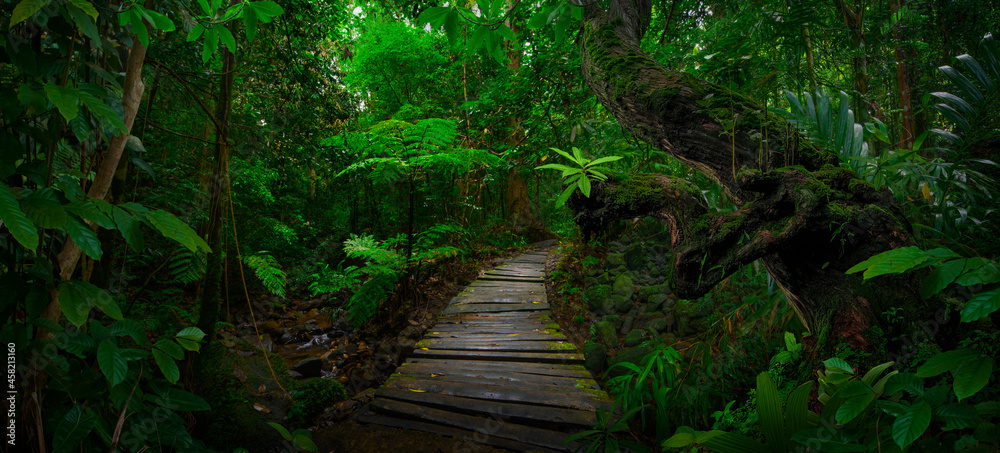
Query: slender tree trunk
[[854, 19], [208, 312], [908, 133]]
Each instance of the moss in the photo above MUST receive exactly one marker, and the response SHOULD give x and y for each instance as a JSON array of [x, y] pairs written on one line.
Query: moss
[[632, 193], [233, 422], [311, 397]]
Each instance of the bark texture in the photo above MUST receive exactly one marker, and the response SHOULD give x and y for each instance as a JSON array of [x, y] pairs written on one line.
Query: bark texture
[[808, 219]]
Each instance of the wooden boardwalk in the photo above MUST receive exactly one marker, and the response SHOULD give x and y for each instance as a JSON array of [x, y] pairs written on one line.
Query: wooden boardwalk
[[494, 370]]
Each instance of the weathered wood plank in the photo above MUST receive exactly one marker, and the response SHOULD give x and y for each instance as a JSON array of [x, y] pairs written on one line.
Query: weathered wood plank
[[551, 369], [486, 308], [471, 437], [467, 344], [489, 336], [555, 417], [510, 376], [572, 398], [536, 357]]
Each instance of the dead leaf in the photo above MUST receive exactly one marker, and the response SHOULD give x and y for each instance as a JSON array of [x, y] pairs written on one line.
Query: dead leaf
[[261, 408], [418, 391]]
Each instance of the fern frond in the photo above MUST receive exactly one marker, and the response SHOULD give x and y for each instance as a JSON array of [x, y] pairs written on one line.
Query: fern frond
[[365, 302], [187, 266], [268, 271]]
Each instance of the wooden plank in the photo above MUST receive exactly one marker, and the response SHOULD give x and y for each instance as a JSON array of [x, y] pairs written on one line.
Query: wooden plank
[[486, 308], [551, 369], [488, 336], [466, 344], [510, 376], [471, 437], [512, 412], [572, 399], [535, 436], [490, 278], [532, 357]]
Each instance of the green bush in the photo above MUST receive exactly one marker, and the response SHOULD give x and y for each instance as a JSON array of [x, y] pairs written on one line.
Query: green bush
[[312, 397]]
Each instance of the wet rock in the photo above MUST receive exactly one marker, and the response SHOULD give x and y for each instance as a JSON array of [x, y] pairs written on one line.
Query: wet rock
[[654, 301], [614, 260], [295, 374], [266, 343], [606, 333], [635, 336], [310, 326], [285, 338], [596, 295], [621, 304], [595, 354], [631, 355], [660, 324], [308, 368], [635, 257], [411, 332], [623, 286], [627, 324]]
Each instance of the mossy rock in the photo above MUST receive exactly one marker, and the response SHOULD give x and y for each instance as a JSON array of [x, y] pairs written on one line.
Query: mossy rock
[[614, 260], [635, 336], [647, 291], [595, 355], [228, 380], [660, 324], [606, 333], [311, 397], [654, 301], [596, 295], [619, 304], [632, 355], [635, 257], [624, 286]]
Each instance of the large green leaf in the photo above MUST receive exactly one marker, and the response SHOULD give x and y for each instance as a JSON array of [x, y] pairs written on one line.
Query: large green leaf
[[179, 400], [14, 219], [894, 261], [167, 365], [173, 228], [43, 211], [191, 333], [88, 210], [267, 10], [112, 364], [104, 112], [84, 237], [250, 21], [944, 361], [66, 99], [958, 415], [131, 328], [77, 297], [912, 424], [723, 442], [941, 277], [797, 415], [853, 407], [26, 9], [772, 420], [434, 15], [72, 429], [128, 227], [981, 306], [972, 375]]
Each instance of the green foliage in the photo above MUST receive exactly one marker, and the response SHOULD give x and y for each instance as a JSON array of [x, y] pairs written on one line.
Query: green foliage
[[312, 397], [601, 438], [949, 268], [579, 177], [838, 133], [300, 438], [268, 271]]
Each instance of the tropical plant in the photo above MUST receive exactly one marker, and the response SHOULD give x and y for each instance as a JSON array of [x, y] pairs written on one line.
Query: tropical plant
[[579, 177], [602, 437], [839, 133]]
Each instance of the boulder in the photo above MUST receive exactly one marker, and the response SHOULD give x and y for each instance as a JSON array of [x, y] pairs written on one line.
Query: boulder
[[624, 286], [635, 257], [595, 354], [635, 336], [308, 368], [631, 355], [660, 324], [654, 301], [614, 260], [596, 295], [606, 333], [619, 304]]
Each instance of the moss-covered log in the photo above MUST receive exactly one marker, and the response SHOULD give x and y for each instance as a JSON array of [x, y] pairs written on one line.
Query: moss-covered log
[[808, 219]]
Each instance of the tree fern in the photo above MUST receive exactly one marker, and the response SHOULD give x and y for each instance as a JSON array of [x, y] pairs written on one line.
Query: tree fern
[[268, 271], [187, 266]]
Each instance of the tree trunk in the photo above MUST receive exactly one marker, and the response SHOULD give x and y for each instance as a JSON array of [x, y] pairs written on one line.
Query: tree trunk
[[908, 134], [208, 312], [808, 219]]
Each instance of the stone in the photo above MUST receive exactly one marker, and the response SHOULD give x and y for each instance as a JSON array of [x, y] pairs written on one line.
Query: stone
[[660, 324], [606, 333], [411, 332], [654, 301], [647, 291], [308, 368], [620, 303], [596, 295], [614, 260], [627, 324], [635, 257], [266, 343], [623, 286], [594, 356], [632, 355], [635, 336]]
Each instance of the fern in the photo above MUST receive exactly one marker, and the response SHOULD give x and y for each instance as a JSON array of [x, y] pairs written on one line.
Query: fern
[[268, 271], [366, 300], [187, 266]]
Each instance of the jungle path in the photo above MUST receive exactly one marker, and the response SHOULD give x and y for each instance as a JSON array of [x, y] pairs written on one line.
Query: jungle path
[[494, 370]]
